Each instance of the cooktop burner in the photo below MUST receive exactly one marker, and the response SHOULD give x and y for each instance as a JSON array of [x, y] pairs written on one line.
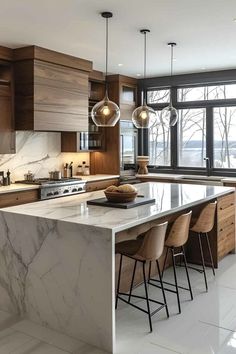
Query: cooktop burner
[[42, 181]]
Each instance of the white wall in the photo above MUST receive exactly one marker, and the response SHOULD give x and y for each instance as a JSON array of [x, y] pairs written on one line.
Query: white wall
[[39, 153]]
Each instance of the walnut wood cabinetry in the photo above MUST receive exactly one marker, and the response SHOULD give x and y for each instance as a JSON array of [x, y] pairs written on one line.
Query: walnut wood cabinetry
[[97, 185], [7, 133], [16, 198], [226, 225], [94, 137], [51, 91], [126, 91]]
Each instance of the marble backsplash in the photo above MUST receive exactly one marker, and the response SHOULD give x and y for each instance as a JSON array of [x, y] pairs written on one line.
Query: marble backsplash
[[39, 152]]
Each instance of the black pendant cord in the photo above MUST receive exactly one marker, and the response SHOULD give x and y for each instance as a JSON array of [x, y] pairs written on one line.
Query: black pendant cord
[[106, 84], [172, 44], [106, 15], [145, 31]]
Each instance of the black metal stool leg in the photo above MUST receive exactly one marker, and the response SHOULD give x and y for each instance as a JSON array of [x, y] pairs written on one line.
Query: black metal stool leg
[[203, 262], [209, 249], [118, 282], [163, 269], [146, 293], [132, 281], [162, 288], [176, 283], [186, 268], [150, 269]]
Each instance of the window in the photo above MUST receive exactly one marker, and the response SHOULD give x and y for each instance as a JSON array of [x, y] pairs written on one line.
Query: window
[[158, 96], [204, 93], [206, 128], [192, 137], [225, 137], [159, 144]]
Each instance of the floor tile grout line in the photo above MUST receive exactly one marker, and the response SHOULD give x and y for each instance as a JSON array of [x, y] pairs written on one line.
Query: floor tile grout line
[[164, 347], [43, 341], [214, 325]]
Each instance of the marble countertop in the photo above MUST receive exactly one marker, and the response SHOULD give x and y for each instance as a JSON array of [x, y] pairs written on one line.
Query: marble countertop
[[100, 177], [160, 175], [17, 187], [169, 198]]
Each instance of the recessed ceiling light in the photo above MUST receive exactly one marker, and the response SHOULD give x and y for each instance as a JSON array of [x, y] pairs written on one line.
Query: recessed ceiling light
[[174, 59], [203, 68], [120, 64], [138, 74], [234, 19]]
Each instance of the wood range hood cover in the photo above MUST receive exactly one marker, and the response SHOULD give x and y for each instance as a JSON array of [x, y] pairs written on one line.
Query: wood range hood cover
[[51, 90]]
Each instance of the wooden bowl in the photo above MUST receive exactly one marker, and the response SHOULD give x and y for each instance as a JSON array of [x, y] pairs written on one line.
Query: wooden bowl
[[118, 197]]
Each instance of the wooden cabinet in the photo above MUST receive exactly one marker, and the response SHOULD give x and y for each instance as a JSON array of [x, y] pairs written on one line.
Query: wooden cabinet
[[7, 133], [50, 96], [17, 198], [97, 185], [226, 225], [125, 90], [94, 138]]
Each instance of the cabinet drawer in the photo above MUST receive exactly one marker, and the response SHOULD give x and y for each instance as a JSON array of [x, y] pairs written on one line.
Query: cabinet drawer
[[226, 202], [95, 186], [226, 240], [16, 198], [225, 214]]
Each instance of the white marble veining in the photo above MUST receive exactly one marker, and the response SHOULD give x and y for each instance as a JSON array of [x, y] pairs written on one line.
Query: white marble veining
[[60, 275], [57, 257], [17, 187], [39, 152], [169, 198]]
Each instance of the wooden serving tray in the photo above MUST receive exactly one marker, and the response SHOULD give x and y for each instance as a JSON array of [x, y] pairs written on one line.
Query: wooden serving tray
[[105, 203]]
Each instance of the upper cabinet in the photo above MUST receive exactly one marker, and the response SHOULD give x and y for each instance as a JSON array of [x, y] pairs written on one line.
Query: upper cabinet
[[124, 91], [51, 90], [7, 133]]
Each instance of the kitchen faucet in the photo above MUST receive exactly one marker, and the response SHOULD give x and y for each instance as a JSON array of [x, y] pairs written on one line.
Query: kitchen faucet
[[208, 165]]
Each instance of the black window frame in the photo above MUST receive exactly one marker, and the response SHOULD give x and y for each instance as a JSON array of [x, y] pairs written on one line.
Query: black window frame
[[224, 77]]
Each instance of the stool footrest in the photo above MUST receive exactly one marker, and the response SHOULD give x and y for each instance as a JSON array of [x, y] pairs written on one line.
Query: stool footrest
[[165, 282], [144, 298]]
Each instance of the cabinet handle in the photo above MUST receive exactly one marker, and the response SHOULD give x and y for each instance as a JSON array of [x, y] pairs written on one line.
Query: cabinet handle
[[221, 230]]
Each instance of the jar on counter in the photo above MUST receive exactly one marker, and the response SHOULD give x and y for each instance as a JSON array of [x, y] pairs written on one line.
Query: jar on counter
[[86, 170], [79, 170]]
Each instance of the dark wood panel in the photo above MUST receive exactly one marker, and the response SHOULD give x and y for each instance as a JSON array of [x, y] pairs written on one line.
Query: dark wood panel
[[6, 53], [16, 198], [59, 122], [34, 52], [98, 185], [70, 142]]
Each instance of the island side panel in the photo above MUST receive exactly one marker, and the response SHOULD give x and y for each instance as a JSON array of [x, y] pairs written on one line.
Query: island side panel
[[60, 275]]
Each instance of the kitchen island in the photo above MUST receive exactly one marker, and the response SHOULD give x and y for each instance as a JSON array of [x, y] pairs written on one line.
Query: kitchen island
[[58, 259]]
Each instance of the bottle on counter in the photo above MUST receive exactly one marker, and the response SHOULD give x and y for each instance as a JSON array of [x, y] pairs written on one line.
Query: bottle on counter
[[83, 166], [8, 178], [71, 169]]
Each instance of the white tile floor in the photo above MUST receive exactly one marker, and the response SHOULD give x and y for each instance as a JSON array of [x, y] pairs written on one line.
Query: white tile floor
[[207, 324]]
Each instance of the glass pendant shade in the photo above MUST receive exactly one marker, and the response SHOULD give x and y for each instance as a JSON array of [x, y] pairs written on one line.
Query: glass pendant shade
[[105, 113], [144, 117], [169, 116]]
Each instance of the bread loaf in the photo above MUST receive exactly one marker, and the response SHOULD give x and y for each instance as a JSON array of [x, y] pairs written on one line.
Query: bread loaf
[[126, 188], [111, 189]]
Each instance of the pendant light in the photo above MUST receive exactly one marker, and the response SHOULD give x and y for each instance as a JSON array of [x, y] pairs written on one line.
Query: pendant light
[[169, 115], [144, 116], [106, 113]]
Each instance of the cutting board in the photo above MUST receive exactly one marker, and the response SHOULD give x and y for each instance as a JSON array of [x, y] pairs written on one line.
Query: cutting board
[[105, 203]]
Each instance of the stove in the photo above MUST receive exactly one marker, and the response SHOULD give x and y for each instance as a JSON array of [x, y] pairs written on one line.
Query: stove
[[49, 189]]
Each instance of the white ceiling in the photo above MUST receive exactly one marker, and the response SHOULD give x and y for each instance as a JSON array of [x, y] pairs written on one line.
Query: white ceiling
[[203, 29]]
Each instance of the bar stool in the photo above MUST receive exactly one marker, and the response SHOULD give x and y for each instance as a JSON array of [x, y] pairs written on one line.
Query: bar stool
[[176, 239], [146, 249], [201, 226]]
